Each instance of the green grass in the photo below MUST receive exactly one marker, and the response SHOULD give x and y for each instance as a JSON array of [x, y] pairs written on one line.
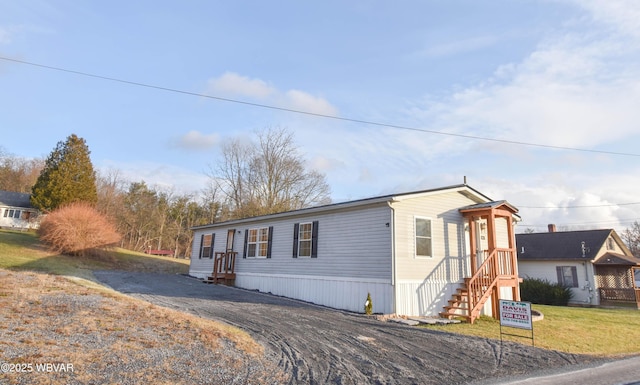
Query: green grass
[[24, 251], [595, 331]]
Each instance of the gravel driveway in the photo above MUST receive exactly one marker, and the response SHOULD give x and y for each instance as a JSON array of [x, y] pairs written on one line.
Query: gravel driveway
[[317, 345]]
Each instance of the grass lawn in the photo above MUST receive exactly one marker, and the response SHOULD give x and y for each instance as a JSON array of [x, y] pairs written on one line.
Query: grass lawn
[[608, 332], [54, 310], [23, 251]]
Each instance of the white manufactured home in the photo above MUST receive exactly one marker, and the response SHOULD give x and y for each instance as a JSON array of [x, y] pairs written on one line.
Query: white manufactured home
[[448, 251]]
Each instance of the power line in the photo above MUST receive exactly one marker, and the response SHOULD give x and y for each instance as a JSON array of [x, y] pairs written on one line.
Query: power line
[[578, 206], [614, 221], [345, 119]]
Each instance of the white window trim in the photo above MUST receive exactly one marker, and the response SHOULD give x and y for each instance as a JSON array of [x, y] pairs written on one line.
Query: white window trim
[[310, 240], [257, 243], [415, 244]]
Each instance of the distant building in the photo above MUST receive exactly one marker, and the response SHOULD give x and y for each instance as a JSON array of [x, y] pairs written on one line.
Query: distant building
[[595, 264], [16, 211]]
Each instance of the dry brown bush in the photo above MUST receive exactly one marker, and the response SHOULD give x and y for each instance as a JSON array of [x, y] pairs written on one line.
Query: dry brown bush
[[77, 229]]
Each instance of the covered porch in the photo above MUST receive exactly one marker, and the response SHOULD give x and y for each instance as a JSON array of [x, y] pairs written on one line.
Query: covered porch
[[493, 261], [615, 276]]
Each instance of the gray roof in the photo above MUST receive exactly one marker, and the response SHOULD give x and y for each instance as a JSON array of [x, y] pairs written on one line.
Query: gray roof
[[360, 202], [563, 245], [14, 199]]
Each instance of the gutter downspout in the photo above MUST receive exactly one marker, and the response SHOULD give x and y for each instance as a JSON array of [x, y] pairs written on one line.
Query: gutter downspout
[[392, 228]]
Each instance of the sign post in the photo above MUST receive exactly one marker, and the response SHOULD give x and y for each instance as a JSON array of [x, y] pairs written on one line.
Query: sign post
[[516, 314]]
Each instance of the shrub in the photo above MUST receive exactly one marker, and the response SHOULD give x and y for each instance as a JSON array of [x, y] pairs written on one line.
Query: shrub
[[77, 229], [543, 292]]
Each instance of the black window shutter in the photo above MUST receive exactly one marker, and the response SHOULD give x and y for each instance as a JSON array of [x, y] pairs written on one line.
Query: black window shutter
[[270, 242], [213, 239], [574, 275], [559, 273], [246, 240], [314, 240], [201, 248], [296, 228]]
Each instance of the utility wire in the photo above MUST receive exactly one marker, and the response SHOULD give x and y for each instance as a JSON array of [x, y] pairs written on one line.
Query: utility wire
[[345, 119], [578, 207]]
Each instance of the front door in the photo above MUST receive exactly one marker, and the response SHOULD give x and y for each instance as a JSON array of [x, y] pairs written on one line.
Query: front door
[[230, 235]]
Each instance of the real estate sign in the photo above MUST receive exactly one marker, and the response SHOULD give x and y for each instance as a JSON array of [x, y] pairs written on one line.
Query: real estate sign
[[515, 314]]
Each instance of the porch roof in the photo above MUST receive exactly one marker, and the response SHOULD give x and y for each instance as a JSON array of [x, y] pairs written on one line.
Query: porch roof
[[616, 259]]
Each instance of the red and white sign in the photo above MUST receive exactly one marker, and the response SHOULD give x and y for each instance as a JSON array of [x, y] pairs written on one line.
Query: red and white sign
[[515, 314]]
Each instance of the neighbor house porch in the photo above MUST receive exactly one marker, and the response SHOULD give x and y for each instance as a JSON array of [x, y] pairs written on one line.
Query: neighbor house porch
[[615, 280]]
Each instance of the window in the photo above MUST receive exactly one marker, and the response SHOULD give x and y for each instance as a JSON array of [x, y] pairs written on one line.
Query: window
[[423, 237], [305, 239], [257, 242], [16, 214], [206, 245], [567, 276], [610, 244]]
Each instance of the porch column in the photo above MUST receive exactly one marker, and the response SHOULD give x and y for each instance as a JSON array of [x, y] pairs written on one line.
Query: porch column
[[472, 241]]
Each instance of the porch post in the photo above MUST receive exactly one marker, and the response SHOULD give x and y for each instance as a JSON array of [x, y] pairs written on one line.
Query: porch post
[[515, 290], [472, 246]]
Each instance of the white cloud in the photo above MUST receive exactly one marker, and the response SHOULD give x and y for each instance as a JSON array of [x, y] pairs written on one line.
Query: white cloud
[[324, 164], [299, 100], [195, 140], [161, 176], [578, 89], [5, 36], [232, 84], [459, 46]]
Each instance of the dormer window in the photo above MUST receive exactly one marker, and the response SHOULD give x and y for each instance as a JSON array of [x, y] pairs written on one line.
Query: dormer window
[[610, 244]]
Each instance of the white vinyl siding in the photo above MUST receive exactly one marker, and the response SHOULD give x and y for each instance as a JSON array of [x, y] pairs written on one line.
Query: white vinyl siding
[[449, 254], [352, 243], [584, 293]]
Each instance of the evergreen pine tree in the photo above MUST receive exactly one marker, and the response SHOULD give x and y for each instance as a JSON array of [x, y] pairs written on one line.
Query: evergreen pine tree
[[67, 176]]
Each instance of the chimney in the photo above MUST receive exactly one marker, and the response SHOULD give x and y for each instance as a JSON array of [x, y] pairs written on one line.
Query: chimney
[[552, 228]]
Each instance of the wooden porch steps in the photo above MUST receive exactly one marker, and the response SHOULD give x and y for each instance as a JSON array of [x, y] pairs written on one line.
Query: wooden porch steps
[[458, 304], [227, 279], [223, 269]]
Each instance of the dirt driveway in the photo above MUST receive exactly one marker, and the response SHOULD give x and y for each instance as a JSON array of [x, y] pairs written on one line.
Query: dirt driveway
[[317, 345]]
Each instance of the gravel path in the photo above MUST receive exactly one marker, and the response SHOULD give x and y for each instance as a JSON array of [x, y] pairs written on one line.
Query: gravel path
[[317, 345]]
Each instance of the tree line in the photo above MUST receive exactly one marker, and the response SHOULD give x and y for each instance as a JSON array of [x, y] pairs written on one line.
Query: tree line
[[259, 177]]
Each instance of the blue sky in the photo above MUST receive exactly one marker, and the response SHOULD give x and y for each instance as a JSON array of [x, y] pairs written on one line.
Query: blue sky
[[553, 73]]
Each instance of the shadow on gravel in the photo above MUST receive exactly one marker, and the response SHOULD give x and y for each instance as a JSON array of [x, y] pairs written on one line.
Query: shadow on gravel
[[317, 345]]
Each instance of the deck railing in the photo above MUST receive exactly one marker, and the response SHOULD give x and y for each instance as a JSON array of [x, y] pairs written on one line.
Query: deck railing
[[499, 264], [614, 294]]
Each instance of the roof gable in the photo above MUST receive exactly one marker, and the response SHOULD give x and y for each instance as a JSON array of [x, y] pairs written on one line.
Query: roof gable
[[561, 245]]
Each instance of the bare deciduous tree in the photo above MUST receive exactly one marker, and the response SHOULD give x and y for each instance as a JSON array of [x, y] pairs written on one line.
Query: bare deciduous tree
[[631, 237], [18, 174], [268, 176]]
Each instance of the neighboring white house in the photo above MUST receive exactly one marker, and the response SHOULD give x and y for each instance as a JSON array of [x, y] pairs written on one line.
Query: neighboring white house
[[16, 211], [596, 264], [410, 251]]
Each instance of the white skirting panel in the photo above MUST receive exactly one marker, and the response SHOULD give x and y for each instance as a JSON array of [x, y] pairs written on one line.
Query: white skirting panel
[[339, 293], [423, 298], [201, 274]]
